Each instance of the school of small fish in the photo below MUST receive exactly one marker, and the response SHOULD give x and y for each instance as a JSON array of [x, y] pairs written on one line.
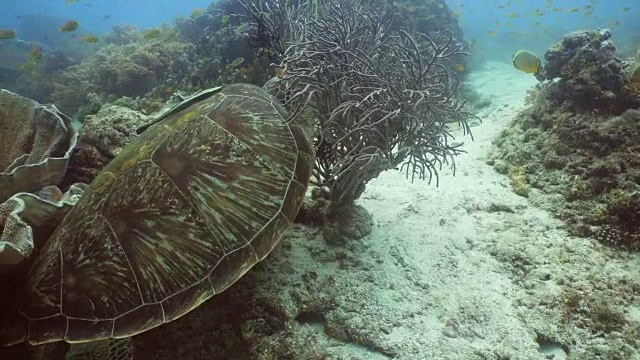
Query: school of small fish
[[523, 60], [504, 14], [35, 55]]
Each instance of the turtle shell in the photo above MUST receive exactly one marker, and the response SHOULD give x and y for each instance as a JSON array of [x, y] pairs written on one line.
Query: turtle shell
[[178, 216]]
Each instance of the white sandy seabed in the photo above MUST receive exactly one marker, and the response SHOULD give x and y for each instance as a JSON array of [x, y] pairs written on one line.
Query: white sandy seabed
[[447, 277]]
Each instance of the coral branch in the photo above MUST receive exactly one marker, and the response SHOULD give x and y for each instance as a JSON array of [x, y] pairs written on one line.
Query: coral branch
[[384, 96]]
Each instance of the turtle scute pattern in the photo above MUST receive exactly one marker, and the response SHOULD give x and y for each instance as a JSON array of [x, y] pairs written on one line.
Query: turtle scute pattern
[[177, 217]]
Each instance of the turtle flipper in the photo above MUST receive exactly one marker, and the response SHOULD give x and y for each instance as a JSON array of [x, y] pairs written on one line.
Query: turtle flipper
[[110, 349]]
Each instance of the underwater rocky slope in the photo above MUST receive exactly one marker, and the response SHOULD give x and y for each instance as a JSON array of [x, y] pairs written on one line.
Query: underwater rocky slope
[[578, 142]]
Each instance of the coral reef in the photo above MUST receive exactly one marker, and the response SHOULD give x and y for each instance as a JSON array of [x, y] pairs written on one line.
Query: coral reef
[[592, 161], [129, 62], [13, 56], [36, 143], [379, 97], [115, 71], [206, 49], [194, 28], [592, 77], [428, 17], [57, 60], [111, 129], [28, 219], [220, 53], [585, 152], [151, 65], [433, 18]]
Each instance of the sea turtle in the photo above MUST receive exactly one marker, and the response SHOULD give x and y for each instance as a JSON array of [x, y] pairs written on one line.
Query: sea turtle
[[178, 216]]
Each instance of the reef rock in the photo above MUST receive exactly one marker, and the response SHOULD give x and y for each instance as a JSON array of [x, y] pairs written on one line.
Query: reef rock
[[193, 28], [111, 129], [591, 76], [632, 79], [86, 162]]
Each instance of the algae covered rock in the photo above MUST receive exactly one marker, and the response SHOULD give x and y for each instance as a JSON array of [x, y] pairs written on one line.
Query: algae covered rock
[[632, 79], [584, 167], [591, 75], [582, 128], [568, 57], [111, 128]]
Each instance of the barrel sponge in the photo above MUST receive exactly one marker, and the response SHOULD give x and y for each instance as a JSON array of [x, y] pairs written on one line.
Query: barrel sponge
[[36, 142]]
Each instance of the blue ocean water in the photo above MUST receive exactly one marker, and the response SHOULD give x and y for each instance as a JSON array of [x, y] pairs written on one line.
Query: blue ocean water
[[498, 28], [495, 28], [100, 15], [37, 24]]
